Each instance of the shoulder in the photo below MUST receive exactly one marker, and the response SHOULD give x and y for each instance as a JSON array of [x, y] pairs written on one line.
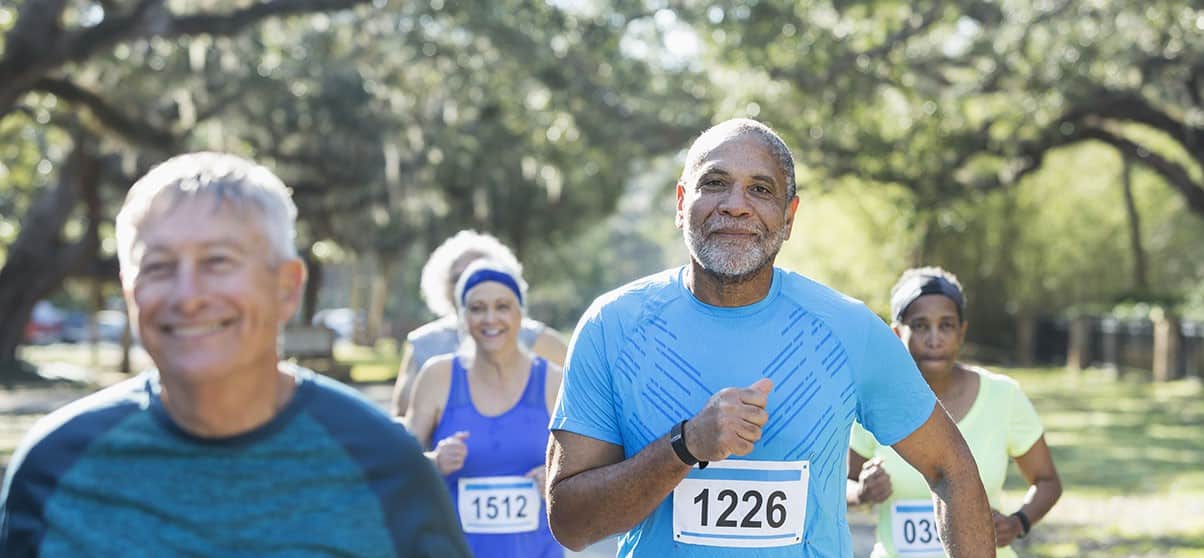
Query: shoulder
[[999, 388], [532, 326], [433, 331], [819, 298], [555, 374], [343, 409], [437, 370], [995, 382], [632, 298], [58, 439], [846, 317]]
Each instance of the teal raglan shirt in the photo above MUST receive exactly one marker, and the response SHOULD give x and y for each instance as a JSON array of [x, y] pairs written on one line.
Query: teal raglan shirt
[[330, 475]]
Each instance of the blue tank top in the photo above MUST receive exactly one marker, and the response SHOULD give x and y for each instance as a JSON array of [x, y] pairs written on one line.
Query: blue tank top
[[511, 443]]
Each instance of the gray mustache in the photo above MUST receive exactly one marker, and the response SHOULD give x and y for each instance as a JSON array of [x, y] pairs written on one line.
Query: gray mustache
[[731, 225]]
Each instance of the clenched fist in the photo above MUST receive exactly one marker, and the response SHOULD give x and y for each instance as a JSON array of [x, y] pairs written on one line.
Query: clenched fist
[[730, 423], [450, 453], [873, 483]]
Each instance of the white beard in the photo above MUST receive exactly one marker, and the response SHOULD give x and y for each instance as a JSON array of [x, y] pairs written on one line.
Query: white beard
[[732, 260]]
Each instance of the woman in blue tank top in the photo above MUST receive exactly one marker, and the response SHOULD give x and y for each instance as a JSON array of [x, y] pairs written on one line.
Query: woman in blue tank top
[[486, 416]]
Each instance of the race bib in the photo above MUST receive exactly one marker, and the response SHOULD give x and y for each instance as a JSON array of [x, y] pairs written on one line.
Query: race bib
[[913, 525], [498, 505], [750, 504]]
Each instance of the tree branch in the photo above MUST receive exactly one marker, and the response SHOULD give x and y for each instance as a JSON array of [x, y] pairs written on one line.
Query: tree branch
[[135, 131], [1175, 174], [234, 22]]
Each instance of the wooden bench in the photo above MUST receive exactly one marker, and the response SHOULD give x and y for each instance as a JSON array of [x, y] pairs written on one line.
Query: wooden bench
[[313, 348]]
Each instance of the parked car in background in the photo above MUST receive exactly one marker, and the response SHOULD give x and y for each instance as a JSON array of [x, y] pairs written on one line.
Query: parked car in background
[[342, 321], [45, 324], [110, 326]]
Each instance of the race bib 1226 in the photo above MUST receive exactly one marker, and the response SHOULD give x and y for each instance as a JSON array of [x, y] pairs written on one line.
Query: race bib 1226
[[738, 503]]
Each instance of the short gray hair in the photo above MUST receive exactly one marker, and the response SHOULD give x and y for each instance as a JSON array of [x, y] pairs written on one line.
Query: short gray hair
[[736, 127], [222, 177], [436, 273]]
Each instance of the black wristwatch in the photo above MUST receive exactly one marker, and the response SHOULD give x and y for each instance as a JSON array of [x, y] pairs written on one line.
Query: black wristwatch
[[677, 438], [1024, 524]]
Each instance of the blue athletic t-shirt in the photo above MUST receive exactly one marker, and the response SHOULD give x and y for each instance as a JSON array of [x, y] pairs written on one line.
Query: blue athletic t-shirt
[[650, 354], [329, 475]]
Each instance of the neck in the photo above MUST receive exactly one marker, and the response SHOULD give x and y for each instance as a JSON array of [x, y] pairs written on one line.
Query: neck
[[502, 362], [720, 291], [943, 382], [226, 408]]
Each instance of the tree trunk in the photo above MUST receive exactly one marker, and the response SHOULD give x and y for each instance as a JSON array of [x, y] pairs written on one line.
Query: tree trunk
[[313, 287], [386, 262], [1140, 282], [39, 259]]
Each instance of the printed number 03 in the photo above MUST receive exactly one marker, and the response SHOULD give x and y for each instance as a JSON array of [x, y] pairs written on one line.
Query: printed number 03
[[493, 506], [775, 509], [922, 531]]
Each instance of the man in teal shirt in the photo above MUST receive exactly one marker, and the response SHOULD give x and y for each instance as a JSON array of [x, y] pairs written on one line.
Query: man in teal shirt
[[222, 450]]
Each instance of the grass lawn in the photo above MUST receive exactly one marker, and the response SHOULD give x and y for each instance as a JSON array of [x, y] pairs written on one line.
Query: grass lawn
[[1131, 457]]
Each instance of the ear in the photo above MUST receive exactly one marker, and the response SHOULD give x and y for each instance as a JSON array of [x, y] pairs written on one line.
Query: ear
[[131, 307], [290, 285], [898, 329], [679, 218], [791, 207]]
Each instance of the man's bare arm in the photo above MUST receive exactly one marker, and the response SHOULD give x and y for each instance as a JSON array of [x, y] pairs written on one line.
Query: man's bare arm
[[938, 451], [593, 492]]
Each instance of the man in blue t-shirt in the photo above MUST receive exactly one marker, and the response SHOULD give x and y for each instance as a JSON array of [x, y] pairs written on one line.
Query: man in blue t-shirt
[[706, 410], [222, 450]]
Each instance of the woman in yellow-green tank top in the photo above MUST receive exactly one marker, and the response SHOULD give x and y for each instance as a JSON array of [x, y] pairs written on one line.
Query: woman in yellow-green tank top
[[997, 420]]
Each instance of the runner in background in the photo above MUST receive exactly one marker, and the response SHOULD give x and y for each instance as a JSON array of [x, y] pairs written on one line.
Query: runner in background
[[996, 419], [486, 415], [443, 336]]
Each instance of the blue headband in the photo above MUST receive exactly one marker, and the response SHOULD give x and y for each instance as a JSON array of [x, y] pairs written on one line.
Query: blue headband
[[482, 275], [921, 285]]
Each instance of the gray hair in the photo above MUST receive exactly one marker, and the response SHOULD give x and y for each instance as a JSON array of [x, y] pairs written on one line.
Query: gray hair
[[436, 273], [221, 177], [728, 129]]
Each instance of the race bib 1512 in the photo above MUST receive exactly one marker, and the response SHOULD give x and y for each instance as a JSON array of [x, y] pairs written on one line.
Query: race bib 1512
[[498, 504]]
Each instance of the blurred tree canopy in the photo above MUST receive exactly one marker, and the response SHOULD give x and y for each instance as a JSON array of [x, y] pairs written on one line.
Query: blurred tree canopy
[[953, 115], [1039, 149], [395, 125]]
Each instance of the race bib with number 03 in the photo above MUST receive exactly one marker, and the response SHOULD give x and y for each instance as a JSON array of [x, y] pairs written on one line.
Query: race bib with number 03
[[735, 503], [913, 525], [498, 504]]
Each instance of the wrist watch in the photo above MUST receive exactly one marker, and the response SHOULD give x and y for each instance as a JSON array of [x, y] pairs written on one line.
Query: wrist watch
[[1024, 524], [677, 439]]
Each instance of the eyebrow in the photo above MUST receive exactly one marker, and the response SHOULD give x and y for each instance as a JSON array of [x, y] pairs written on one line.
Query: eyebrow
[[220, 243]]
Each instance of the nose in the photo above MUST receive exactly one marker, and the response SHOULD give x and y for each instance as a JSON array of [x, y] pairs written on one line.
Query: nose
[[735, 202], [188, 290]]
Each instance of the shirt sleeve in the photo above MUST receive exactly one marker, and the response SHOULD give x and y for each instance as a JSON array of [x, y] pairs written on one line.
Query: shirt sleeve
[[1024, 425], [893, 400], [586, 403], [862, 442]]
